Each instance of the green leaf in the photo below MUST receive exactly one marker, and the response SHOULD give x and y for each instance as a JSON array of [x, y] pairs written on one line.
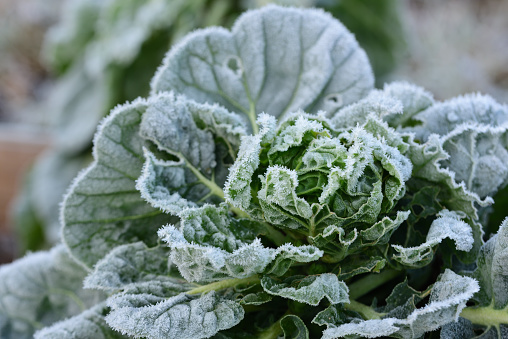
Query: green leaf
[[447, 225], [66, 41], [41, 289], [211, 245], [377, 104], [86, 325], [414, 99], [335, 315], [473, 132], [338, 245], [242, 69], [426, 169], [310, 290], [444, 117], [447, 299], [478, 157], [491, 272], [132, 264], [293, 327], [237, 190], [278, 199], [193, 134], [103, 209], [360, 264], [123, 27], [181, 316], [256, 299]]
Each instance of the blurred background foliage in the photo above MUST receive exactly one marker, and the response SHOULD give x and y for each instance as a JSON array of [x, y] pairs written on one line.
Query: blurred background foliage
[[100, 53]]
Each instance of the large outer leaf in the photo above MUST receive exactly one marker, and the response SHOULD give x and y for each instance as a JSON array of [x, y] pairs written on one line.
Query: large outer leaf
[[474, 132], [86, 325], [131, 265], [448, 297], [181, 316], [40, 289], [274, 60], [103, 209]]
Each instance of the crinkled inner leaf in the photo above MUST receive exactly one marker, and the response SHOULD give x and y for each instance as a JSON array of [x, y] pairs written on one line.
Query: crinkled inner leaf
[[309, 290], [211, 245]]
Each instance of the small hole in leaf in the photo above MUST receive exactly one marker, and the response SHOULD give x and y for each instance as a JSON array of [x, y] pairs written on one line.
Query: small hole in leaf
[[235, 65], [334, 99]]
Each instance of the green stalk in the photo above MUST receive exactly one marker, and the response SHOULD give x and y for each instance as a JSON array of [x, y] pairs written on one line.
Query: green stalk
[[219, 285], [274, 331], [214, 188], [271, 332], [366, 311], [371, 282], [486, 316]]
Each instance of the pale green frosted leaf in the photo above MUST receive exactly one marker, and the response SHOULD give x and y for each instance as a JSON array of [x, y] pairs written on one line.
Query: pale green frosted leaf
[[461, 329], [447, 225], [377, 103], [131, 264], [41, 289], [310, 290], [335, 315], [211, 245], [292, 131], [473, 130], [414, 99], [122, 28], [237, 190], [278, 199], [478, 157], [359, 265], [181, 316], [338, 244], [256, 298], [367, 145], [293, 327], [442, 118], [199, 136], [103, 209], [447, 299], [66, 41], [426, 168], [274, 60], [86, 325], [76, 105], [492, 270], [164, 184]]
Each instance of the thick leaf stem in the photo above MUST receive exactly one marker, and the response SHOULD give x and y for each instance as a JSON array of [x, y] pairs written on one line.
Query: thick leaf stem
[[274, 331], [486, 316], [219, 285], [370, 282], [214, 188], [252, 118], [366, 311]]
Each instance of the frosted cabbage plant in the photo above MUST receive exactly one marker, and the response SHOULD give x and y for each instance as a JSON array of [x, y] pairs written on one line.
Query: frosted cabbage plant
[[265, 189]]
